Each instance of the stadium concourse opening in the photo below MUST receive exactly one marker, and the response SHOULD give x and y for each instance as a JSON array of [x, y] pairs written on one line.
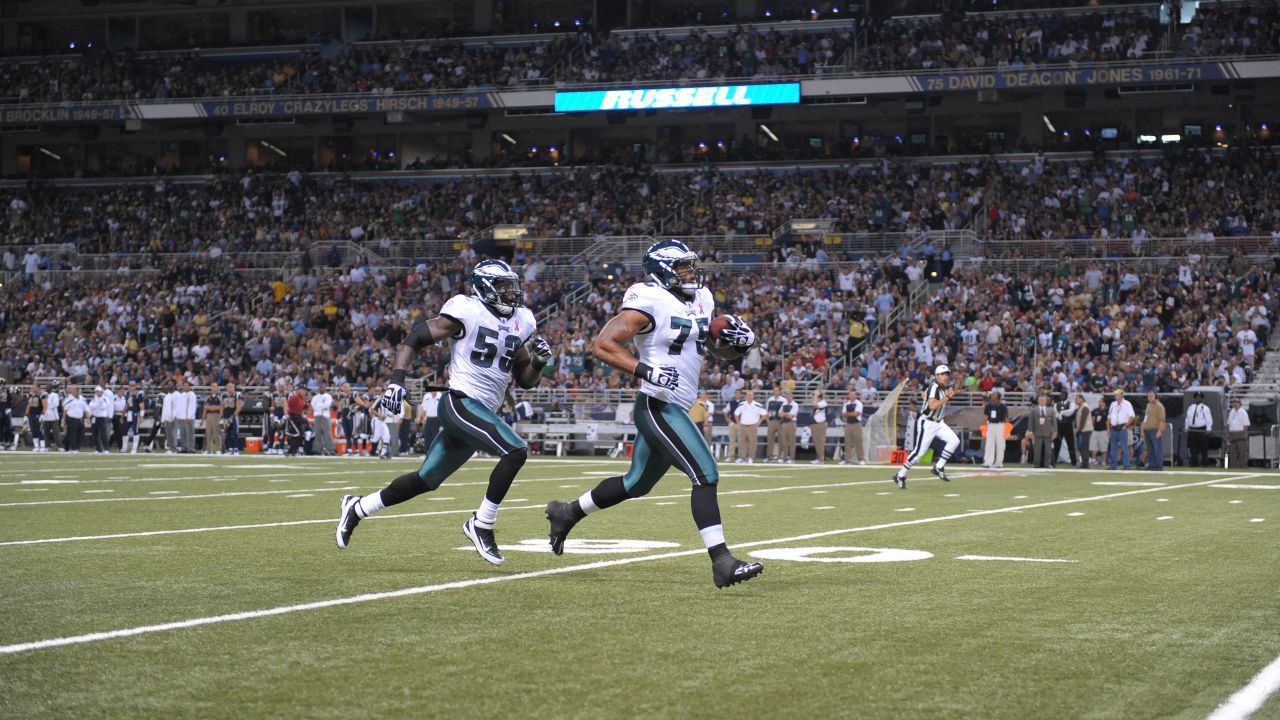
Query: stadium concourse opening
[[889, 295]]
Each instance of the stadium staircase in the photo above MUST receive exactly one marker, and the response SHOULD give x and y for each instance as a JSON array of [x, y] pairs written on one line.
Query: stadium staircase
[[1265, 387]]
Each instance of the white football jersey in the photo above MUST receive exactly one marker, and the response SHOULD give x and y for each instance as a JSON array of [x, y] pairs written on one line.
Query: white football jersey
[[50, 413], [483, 354], [677, 336]]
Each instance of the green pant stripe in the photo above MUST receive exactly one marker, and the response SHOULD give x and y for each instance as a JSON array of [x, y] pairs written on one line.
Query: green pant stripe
[[476, 424], [477, 428], [665, 437]]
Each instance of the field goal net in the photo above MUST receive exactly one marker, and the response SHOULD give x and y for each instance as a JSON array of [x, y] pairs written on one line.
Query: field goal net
[[880, 432]]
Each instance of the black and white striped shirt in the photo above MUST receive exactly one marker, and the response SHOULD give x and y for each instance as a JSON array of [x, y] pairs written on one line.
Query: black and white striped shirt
[[933, 392]]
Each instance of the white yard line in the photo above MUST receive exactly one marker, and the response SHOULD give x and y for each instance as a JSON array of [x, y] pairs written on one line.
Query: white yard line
[[159, 498], [290, 523], [1251, 697], [1014, 559], [353, 487], [461, 584], [1248, 487], [116, 480]]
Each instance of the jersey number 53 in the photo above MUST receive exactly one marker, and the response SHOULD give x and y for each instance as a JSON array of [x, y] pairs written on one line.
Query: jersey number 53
[[487, 346]]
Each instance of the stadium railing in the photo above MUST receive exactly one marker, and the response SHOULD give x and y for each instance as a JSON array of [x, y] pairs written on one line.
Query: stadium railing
[[1122, 248], [803, 393]]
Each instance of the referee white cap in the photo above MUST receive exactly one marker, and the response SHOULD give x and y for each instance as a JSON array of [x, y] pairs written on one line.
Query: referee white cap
[[941, 369]]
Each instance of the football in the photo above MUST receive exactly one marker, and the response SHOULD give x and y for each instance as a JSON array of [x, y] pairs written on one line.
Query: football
[[718, 324], [717, 346]]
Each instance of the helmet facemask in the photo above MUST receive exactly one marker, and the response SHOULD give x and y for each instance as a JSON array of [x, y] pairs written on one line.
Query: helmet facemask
[[688, 277]]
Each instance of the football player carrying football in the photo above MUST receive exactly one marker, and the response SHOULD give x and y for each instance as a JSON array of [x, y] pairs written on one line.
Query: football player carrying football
[[669, 319]]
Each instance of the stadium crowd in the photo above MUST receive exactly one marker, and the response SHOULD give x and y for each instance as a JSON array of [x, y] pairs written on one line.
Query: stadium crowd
[[265, 212], [977, 41], [1247, 28], [1189, 193], [906, 43], [1163, 328], [425, 65], [1159, 328], [744, 52]]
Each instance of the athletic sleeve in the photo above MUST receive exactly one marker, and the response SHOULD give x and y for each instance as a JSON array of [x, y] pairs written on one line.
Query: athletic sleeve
[[459, 309], [640, 300]]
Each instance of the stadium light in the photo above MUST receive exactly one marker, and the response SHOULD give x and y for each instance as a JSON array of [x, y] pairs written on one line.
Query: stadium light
[[1170, 138], [767, 131]]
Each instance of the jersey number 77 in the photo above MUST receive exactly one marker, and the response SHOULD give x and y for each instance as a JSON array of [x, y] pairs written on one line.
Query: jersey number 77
[[685, 326]]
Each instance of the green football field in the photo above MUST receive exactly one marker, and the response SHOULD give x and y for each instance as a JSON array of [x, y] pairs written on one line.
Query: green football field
[[209, 587]]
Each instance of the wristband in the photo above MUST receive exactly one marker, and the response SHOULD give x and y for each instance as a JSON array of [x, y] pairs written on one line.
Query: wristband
[[397, 377], [642, 371]]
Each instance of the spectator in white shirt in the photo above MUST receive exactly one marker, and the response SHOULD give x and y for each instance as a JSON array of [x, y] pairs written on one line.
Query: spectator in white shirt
[[1237, 436], [1120, 417], [101, 408], [748, 414], [184, 416], [169, 420], [1247, 339], [321, 404]]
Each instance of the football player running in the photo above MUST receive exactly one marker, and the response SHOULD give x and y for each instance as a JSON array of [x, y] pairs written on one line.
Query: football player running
[[668, 317], [492, 340], [929, 425]]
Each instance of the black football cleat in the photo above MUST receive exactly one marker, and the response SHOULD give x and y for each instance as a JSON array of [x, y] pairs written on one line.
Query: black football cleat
[[348, 519], [560, 515], [900, 481], [483, 539], [942, 474], [728, 570]]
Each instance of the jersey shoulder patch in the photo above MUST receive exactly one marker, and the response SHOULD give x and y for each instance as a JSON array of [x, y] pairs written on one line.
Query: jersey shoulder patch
[[640, 296], [459, 306], [462, 308]]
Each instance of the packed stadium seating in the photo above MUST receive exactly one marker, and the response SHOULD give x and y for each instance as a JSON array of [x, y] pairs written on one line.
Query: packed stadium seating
[[1072, 202], [742, 51], [300, 264]]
